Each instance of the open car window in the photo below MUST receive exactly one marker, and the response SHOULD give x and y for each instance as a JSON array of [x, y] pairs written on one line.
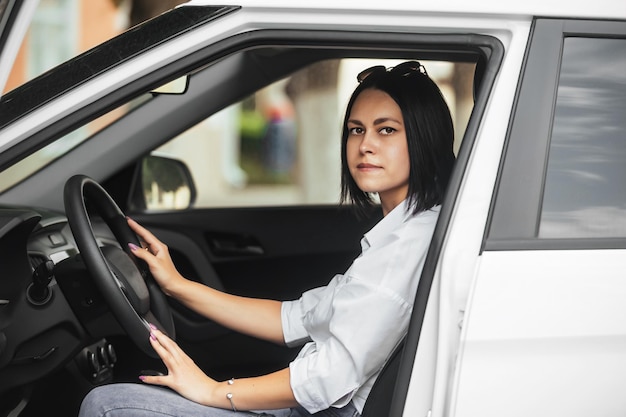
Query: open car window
[[281, 144]]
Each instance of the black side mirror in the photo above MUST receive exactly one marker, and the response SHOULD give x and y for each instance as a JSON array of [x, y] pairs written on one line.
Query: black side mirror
[[162, 183]]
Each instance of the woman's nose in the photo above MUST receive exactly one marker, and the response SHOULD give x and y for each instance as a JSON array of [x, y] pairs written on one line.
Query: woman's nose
[[367, 144]]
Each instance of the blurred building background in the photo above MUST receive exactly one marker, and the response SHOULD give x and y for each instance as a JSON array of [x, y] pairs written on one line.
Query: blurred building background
[[62, 29]]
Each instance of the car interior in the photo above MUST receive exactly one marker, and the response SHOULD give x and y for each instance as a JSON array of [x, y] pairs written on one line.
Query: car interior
[[59, 337]]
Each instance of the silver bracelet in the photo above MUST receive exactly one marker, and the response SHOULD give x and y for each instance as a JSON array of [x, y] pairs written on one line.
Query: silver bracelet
[[229, 396]]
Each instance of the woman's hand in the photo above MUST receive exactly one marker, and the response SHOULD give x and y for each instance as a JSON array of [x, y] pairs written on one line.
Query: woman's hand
[[183, 375], [157, 257], [272, 391]]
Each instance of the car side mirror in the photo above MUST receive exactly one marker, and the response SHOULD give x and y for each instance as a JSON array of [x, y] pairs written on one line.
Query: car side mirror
[[162, 183]]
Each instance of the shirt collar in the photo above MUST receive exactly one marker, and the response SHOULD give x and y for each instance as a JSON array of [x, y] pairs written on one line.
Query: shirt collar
[[386, 225]]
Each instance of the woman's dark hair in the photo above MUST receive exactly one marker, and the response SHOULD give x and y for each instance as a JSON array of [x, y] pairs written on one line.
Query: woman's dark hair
[[429, 133]]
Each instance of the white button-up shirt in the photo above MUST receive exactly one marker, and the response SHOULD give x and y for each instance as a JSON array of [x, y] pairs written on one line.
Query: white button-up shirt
[[352, 325]]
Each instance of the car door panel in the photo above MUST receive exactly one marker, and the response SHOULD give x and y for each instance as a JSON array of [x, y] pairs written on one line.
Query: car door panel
[[563, 341]]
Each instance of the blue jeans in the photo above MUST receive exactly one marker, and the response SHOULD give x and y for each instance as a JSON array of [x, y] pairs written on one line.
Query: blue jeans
[[122, 400]]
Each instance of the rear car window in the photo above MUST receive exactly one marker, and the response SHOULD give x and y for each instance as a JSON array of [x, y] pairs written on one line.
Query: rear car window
[[585, 188]]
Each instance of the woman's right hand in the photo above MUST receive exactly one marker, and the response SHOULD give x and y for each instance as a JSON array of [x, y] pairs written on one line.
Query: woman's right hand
[[157, 257]]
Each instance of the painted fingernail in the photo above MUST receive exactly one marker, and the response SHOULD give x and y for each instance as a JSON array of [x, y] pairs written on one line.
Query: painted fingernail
[[133, 247], [152, 326], [152, 336], [141, 377]]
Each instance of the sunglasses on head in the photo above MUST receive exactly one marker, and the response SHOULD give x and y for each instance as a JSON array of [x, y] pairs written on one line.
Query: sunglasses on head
[[404, 69]]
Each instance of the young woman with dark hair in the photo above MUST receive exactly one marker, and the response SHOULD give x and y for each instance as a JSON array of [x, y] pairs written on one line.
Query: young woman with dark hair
[[396, 147], [429, 134]]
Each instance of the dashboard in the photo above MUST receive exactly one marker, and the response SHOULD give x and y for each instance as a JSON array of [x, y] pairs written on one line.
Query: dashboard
[[50, 310]]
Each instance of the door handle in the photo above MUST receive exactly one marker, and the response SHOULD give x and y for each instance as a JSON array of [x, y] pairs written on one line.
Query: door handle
[[234, 245]]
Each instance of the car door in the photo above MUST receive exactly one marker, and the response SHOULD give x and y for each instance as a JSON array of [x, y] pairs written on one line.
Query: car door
[[544, 331], [266, 250]]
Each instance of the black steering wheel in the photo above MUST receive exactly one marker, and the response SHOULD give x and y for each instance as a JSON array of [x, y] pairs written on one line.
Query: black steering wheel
[[124, 281]]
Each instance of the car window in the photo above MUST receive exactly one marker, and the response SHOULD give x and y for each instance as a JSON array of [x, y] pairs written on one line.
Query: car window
[[585, 189], [281, 145], [278, 146]]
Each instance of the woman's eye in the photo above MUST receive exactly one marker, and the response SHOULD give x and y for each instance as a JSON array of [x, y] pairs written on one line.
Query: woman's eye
[[355, 130], [387, 130]]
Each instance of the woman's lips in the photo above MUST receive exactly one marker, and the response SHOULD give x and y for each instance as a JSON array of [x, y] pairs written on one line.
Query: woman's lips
[[365, 166]]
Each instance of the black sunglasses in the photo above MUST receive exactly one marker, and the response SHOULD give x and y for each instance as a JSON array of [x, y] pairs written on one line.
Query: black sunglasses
[[404, 69]]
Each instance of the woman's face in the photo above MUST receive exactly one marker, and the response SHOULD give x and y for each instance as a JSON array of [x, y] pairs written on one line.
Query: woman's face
[[377, 150]]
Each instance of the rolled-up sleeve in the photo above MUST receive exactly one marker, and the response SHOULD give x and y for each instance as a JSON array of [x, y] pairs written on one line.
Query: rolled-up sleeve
[[293, 314], [294, 332]]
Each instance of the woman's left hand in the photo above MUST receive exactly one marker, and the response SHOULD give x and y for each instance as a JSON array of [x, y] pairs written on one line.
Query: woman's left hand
[[184, 376]]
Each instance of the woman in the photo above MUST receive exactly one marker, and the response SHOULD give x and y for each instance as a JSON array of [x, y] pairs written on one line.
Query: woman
[[396, 145]]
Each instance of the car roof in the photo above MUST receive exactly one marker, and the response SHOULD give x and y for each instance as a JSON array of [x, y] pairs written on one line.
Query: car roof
[[598, 9]]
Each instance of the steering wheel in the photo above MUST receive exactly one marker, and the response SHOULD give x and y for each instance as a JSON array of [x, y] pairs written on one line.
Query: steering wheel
[[134, 297]]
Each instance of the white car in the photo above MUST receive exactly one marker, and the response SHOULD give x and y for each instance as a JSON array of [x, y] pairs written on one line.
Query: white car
[[217, 127]]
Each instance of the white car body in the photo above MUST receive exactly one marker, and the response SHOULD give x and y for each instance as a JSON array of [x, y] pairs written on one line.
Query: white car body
[[529, 332]]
